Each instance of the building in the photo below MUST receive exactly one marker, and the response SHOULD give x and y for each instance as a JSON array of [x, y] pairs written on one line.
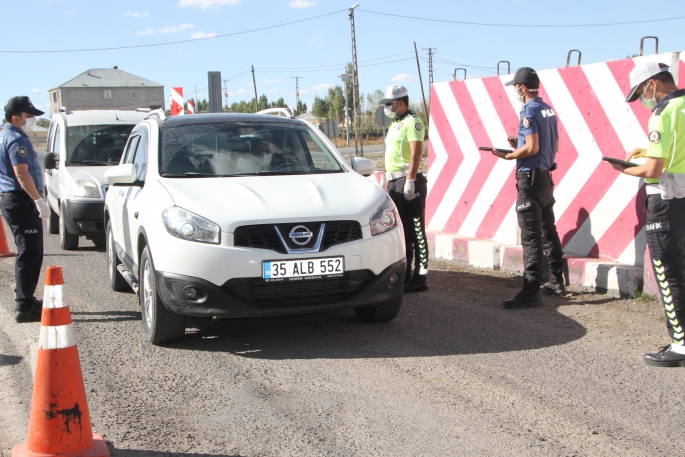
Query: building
[[106, 88]]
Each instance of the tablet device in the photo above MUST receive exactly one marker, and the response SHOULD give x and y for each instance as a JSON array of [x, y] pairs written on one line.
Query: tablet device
[[505, 151], [619, 162]]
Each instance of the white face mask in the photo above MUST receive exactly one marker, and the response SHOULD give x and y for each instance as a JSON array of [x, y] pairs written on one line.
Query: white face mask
[[30, 124], [388, 112], [648, 103], [520, 97]]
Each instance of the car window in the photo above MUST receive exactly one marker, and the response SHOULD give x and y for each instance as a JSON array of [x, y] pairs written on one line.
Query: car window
[[96, 144], [140, 158], [57, 142], [130, 148], [243, 148]]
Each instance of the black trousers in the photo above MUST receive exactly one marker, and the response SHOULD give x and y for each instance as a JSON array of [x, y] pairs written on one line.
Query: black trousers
[[666, 239], [538, 230], [24, 221], [413, 216]]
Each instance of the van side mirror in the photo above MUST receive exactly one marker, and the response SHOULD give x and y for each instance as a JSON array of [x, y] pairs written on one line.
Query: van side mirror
[[363, 166], [49, 161]]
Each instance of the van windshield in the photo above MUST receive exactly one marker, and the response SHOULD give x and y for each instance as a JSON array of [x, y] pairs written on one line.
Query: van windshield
[[96, 144], [243, 148]]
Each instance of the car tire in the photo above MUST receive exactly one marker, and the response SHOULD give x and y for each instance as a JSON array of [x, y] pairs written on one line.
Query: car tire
[[68, 241], [99, 242], [116, 281], [159, 324], [383, 312], [53, 220]]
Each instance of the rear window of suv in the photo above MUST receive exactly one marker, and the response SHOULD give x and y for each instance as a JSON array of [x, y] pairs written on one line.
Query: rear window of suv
[[240, 149], [96, 144]]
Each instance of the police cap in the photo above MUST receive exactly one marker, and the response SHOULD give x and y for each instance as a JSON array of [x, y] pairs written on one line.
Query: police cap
[[527, 76], [22, 104]]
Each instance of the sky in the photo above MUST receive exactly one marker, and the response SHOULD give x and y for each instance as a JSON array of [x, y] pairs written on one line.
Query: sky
[[318, 46]]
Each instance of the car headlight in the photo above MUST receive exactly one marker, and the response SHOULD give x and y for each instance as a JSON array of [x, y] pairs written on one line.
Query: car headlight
[[189, 226], [385, 218], [83, 188]]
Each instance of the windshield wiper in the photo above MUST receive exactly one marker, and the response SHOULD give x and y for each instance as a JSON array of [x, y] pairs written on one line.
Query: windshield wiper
[[93, 162]]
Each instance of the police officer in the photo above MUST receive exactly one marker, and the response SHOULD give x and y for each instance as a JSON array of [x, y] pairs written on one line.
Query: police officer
[[22, 207], [406, 185], [664, 173], [537, 145]]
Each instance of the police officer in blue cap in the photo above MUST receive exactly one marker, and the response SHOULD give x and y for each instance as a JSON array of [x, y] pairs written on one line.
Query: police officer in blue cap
[[21, 182], [537, 144]]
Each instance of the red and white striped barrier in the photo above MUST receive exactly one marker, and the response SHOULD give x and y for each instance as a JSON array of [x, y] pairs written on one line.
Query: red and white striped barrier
[[600, 213], [191, 107], [177, 101]]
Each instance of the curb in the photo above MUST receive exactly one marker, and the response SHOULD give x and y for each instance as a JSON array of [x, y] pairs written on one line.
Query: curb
[[601, 275]]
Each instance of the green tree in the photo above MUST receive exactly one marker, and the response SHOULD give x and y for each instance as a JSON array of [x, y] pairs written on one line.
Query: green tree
[[301, 107], [43, 122], [320, 107], [335, 100]]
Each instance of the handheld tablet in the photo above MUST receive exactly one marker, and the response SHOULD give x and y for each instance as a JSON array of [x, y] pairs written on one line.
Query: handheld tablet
[[505, 151], [619, 162]]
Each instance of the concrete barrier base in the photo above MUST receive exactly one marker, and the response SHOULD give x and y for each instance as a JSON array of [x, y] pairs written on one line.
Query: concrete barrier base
[[601, 275]]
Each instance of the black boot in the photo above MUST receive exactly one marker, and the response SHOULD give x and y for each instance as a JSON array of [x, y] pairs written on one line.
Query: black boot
[[27, 315], [555, 286], [417, 284], [665, 358], [529, 297]]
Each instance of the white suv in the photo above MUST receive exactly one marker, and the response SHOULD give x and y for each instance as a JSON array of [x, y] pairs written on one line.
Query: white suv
[[243, 215]]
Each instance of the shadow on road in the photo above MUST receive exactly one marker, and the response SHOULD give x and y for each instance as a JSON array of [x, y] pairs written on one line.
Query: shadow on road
[[115, 316], [460, 314], [6, 360], [135, 453]]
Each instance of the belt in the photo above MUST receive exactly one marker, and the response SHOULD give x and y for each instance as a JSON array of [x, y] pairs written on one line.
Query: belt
[[396, 175], [527, 174], [652, 189]]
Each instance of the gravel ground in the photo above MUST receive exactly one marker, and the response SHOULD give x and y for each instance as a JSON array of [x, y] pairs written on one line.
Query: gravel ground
[[454, 374]]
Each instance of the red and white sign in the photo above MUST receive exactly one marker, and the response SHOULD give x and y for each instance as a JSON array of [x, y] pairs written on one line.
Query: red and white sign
[[177, 101], [191, 107], [600, 212]]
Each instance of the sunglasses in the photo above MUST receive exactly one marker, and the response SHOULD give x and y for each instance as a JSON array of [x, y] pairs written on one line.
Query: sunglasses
[[391, 103]]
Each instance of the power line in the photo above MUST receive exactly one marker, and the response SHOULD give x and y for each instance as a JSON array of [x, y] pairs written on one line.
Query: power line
[[295, 70], [176, 42], [486, 24], [336, 65]]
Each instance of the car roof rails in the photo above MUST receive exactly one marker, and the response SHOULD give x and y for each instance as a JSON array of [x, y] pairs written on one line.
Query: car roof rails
[[159, 113], [285, 112]]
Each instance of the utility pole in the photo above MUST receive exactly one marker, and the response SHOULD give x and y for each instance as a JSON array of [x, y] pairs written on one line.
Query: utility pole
[[431, 53], [197, 102], [297, 93], [225, 88], [256, 100], [345, 78], [423, 95], [358, 147]]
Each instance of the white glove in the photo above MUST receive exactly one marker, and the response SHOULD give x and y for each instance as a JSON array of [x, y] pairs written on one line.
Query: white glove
[[409, 189], [43, 208], [384, 182]]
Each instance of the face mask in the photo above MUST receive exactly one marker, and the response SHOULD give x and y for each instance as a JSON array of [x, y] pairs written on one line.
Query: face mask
[[520, 97], [648, 103], [30, 124], [388, 112]]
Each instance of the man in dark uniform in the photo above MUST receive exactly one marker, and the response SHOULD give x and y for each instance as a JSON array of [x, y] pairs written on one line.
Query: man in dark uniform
[[21, 182], [406, 184], [664, 174], [537, 145]]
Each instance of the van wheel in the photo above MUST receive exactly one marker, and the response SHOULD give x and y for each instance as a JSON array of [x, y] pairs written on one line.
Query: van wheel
[[116, 281], [383, 312], [159, 324], [68, 241]]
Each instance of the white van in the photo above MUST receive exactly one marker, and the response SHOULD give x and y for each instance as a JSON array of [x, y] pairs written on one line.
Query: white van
[[81, 146]]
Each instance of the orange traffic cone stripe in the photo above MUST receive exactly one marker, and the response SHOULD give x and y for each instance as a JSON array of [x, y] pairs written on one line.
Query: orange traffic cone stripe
[[59, 423], [4, 248]]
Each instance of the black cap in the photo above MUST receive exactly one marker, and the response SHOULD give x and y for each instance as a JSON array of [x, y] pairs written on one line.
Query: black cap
[[22, 104], [527, 76]]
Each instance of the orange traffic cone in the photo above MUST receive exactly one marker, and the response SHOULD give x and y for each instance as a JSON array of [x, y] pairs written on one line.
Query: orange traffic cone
[[59, 424], [4, 248]]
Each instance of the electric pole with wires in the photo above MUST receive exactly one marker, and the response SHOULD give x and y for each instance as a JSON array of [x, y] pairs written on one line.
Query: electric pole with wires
[[431, 53], [297, 94], [358, 147]]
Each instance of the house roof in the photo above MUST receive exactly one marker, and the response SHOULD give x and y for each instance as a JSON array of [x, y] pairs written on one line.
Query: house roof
[[108, 77]]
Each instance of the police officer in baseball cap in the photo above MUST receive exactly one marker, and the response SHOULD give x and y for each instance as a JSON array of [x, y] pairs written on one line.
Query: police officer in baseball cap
[[537, 144], [21, 183]]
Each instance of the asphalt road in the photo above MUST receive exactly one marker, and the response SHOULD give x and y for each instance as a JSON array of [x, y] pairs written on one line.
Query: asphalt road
[[454, 374]]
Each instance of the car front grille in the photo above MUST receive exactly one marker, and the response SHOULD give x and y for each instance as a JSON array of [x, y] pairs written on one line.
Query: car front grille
[[265, 236], [284, 294]]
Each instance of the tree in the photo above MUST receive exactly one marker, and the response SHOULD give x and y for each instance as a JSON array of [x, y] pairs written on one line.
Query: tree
[[336, 103], [43, 122], [320, 107], [301, 107]]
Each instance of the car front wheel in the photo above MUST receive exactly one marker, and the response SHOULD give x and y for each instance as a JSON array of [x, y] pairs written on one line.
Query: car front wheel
[[383, 312], [159, 324]]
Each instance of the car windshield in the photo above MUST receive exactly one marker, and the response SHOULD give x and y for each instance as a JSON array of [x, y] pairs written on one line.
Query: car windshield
[[219, 149], [96, 144]]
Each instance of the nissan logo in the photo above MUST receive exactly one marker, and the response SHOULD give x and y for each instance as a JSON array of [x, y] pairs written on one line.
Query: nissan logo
[[300, 235]]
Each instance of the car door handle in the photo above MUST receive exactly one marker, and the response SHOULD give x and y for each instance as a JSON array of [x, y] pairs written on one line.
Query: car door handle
[[121, 192], [135, 214]]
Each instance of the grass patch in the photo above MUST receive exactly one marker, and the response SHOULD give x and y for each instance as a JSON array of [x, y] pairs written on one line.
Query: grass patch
[[644, 296]]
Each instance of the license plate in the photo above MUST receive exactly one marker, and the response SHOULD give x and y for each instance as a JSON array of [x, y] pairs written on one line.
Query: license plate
[[303, 269]]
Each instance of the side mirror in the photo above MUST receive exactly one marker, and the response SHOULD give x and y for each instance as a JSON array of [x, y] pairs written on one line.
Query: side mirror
[[363, 166], [121, 174], [49, 161]]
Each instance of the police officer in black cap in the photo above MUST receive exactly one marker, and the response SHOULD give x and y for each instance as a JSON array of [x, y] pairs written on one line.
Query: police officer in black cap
[[537, 144], [22, 206]]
